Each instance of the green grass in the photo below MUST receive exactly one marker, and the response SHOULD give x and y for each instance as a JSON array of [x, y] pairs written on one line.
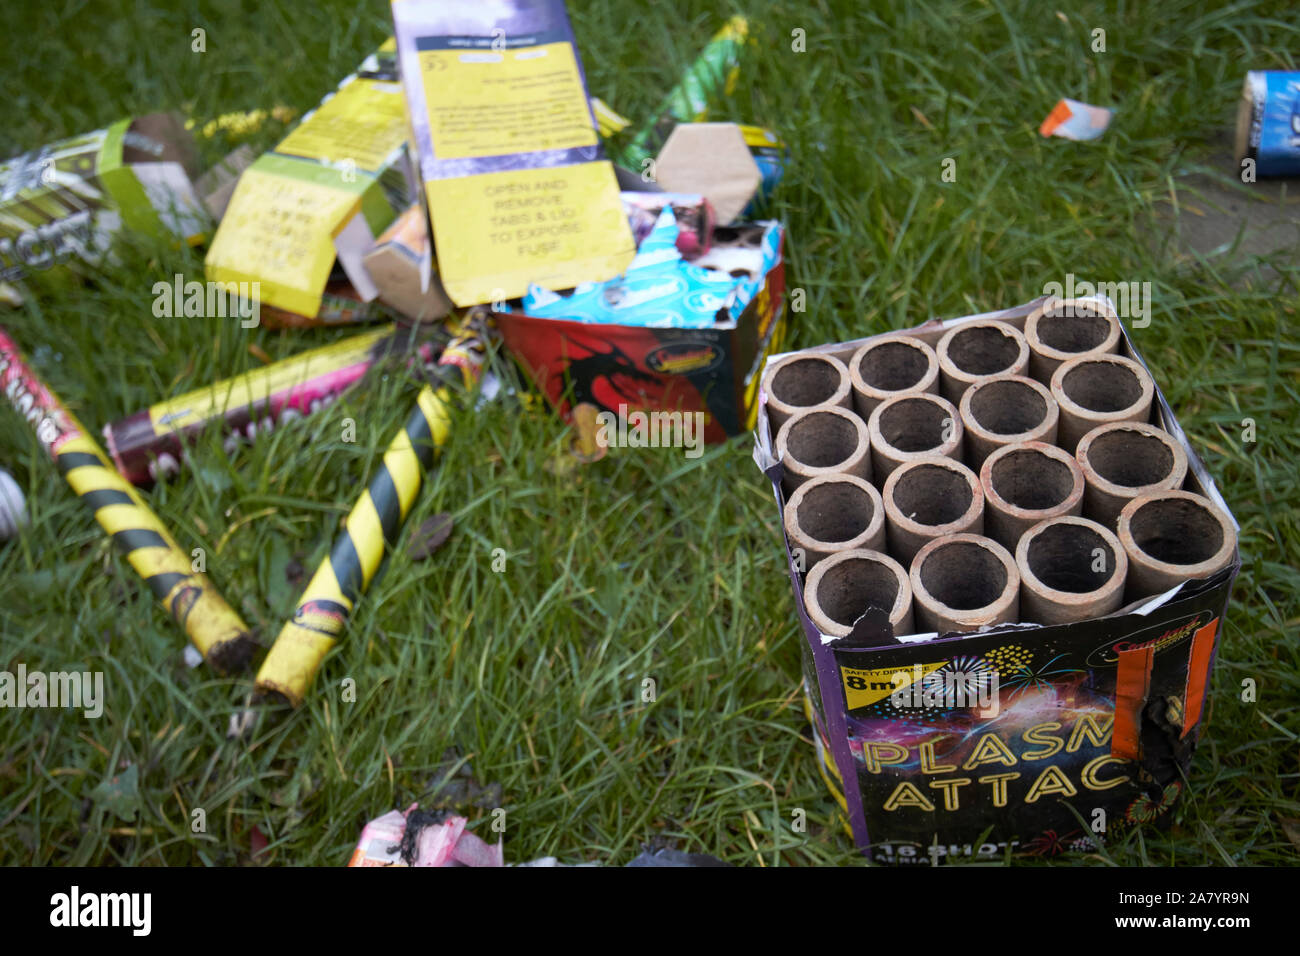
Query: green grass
[[645, 565]]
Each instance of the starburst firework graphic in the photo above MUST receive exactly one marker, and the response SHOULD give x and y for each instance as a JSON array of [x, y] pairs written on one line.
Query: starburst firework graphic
[[1023, 677]]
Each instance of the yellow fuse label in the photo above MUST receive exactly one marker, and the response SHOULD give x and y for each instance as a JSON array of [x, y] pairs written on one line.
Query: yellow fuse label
[[866, 686], [488, 103], [362, 123], [280, 231], [555, 226]]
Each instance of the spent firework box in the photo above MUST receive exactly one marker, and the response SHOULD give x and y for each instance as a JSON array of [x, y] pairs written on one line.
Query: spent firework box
[[654, 364], [303, 216], [515, 179], [1069, 735], [61, 204]]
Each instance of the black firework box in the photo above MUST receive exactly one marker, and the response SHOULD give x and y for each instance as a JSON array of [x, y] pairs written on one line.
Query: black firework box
[[1053, 739]]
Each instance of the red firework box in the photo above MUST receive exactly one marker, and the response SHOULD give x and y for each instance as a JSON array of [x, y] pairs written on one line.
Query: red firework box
[[711, 367], [1051, 738]]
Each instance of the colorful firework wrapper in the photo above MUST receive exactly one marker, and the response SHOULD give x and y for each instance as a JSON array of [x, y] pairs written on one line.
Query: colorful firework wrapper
[[148, 546], [771, 156], [1022, 739], [712, 369], [711, 75], [662, 290], [151, 444], [373, 525], [1268, 123], [302, 216], [694, 216], [62, 204], [415, 837]]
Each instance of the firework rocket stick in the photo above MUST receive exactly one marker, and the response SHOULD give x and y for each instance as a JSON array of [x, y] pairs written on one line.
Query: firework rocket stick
[[371, 529], [188, 596], [150, 444]]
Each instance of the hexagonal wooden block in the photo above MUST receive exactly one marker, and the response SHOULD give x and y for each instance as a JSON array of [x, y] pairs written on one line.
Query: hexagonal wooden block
[[710, 159]]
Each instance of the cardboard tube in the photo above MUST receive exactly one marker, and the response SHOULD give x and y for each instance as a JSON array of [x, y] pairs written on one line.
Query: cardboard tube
[[929, 498], [1007, 410], [1122, 461], [841, 588], [346, 572], [834, 513], [908, 427], [822, 441], [373, 524], [963, 583], [1171, 537], [1063, 329], [802, 381], [1071, 569], [890, 366], [978, 350], [1099, 390], [1027, 483]]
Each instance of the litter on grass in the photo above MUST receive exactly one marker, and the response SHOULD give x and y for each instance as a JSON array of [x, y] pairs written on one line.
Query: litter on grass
[[1071, 119]]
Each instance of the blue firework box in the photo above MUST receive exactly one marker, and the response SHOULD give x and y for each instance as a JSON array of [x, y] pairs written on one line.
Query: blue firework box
[[1268, 122], [1090, 730]]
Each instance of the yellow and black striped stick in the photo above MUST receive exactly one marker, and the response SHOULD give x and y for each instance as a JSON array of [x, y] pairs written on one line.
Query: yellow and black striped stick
[[187, 595], [371, 528]]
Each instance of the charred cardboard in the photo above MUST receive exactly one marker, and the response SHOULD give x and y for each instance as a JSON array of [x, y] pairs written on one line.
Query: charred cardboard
[[65, 201], [713, 370], [1096, 721], [303, 215], [711, 159]]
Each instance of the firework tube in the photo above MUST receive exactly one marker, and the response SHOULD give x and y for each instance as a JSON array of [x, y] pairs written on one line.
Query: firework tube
[[804, 381], [964, 582], [888, 367], [1171, 537], [149, 445], [822, 441], [834, 513], [1071, 569], [933, 497], [712, 72], [841, 588], [975, 351], [1123, 461], [188, 596], [13, 507], [1099, 390], [907, 427], [370, 529]]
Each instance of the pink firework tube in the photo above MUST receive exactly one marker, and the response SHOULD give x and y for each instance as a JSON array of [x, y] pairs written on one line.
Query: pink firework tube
[[149, 445], [148, 546]]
